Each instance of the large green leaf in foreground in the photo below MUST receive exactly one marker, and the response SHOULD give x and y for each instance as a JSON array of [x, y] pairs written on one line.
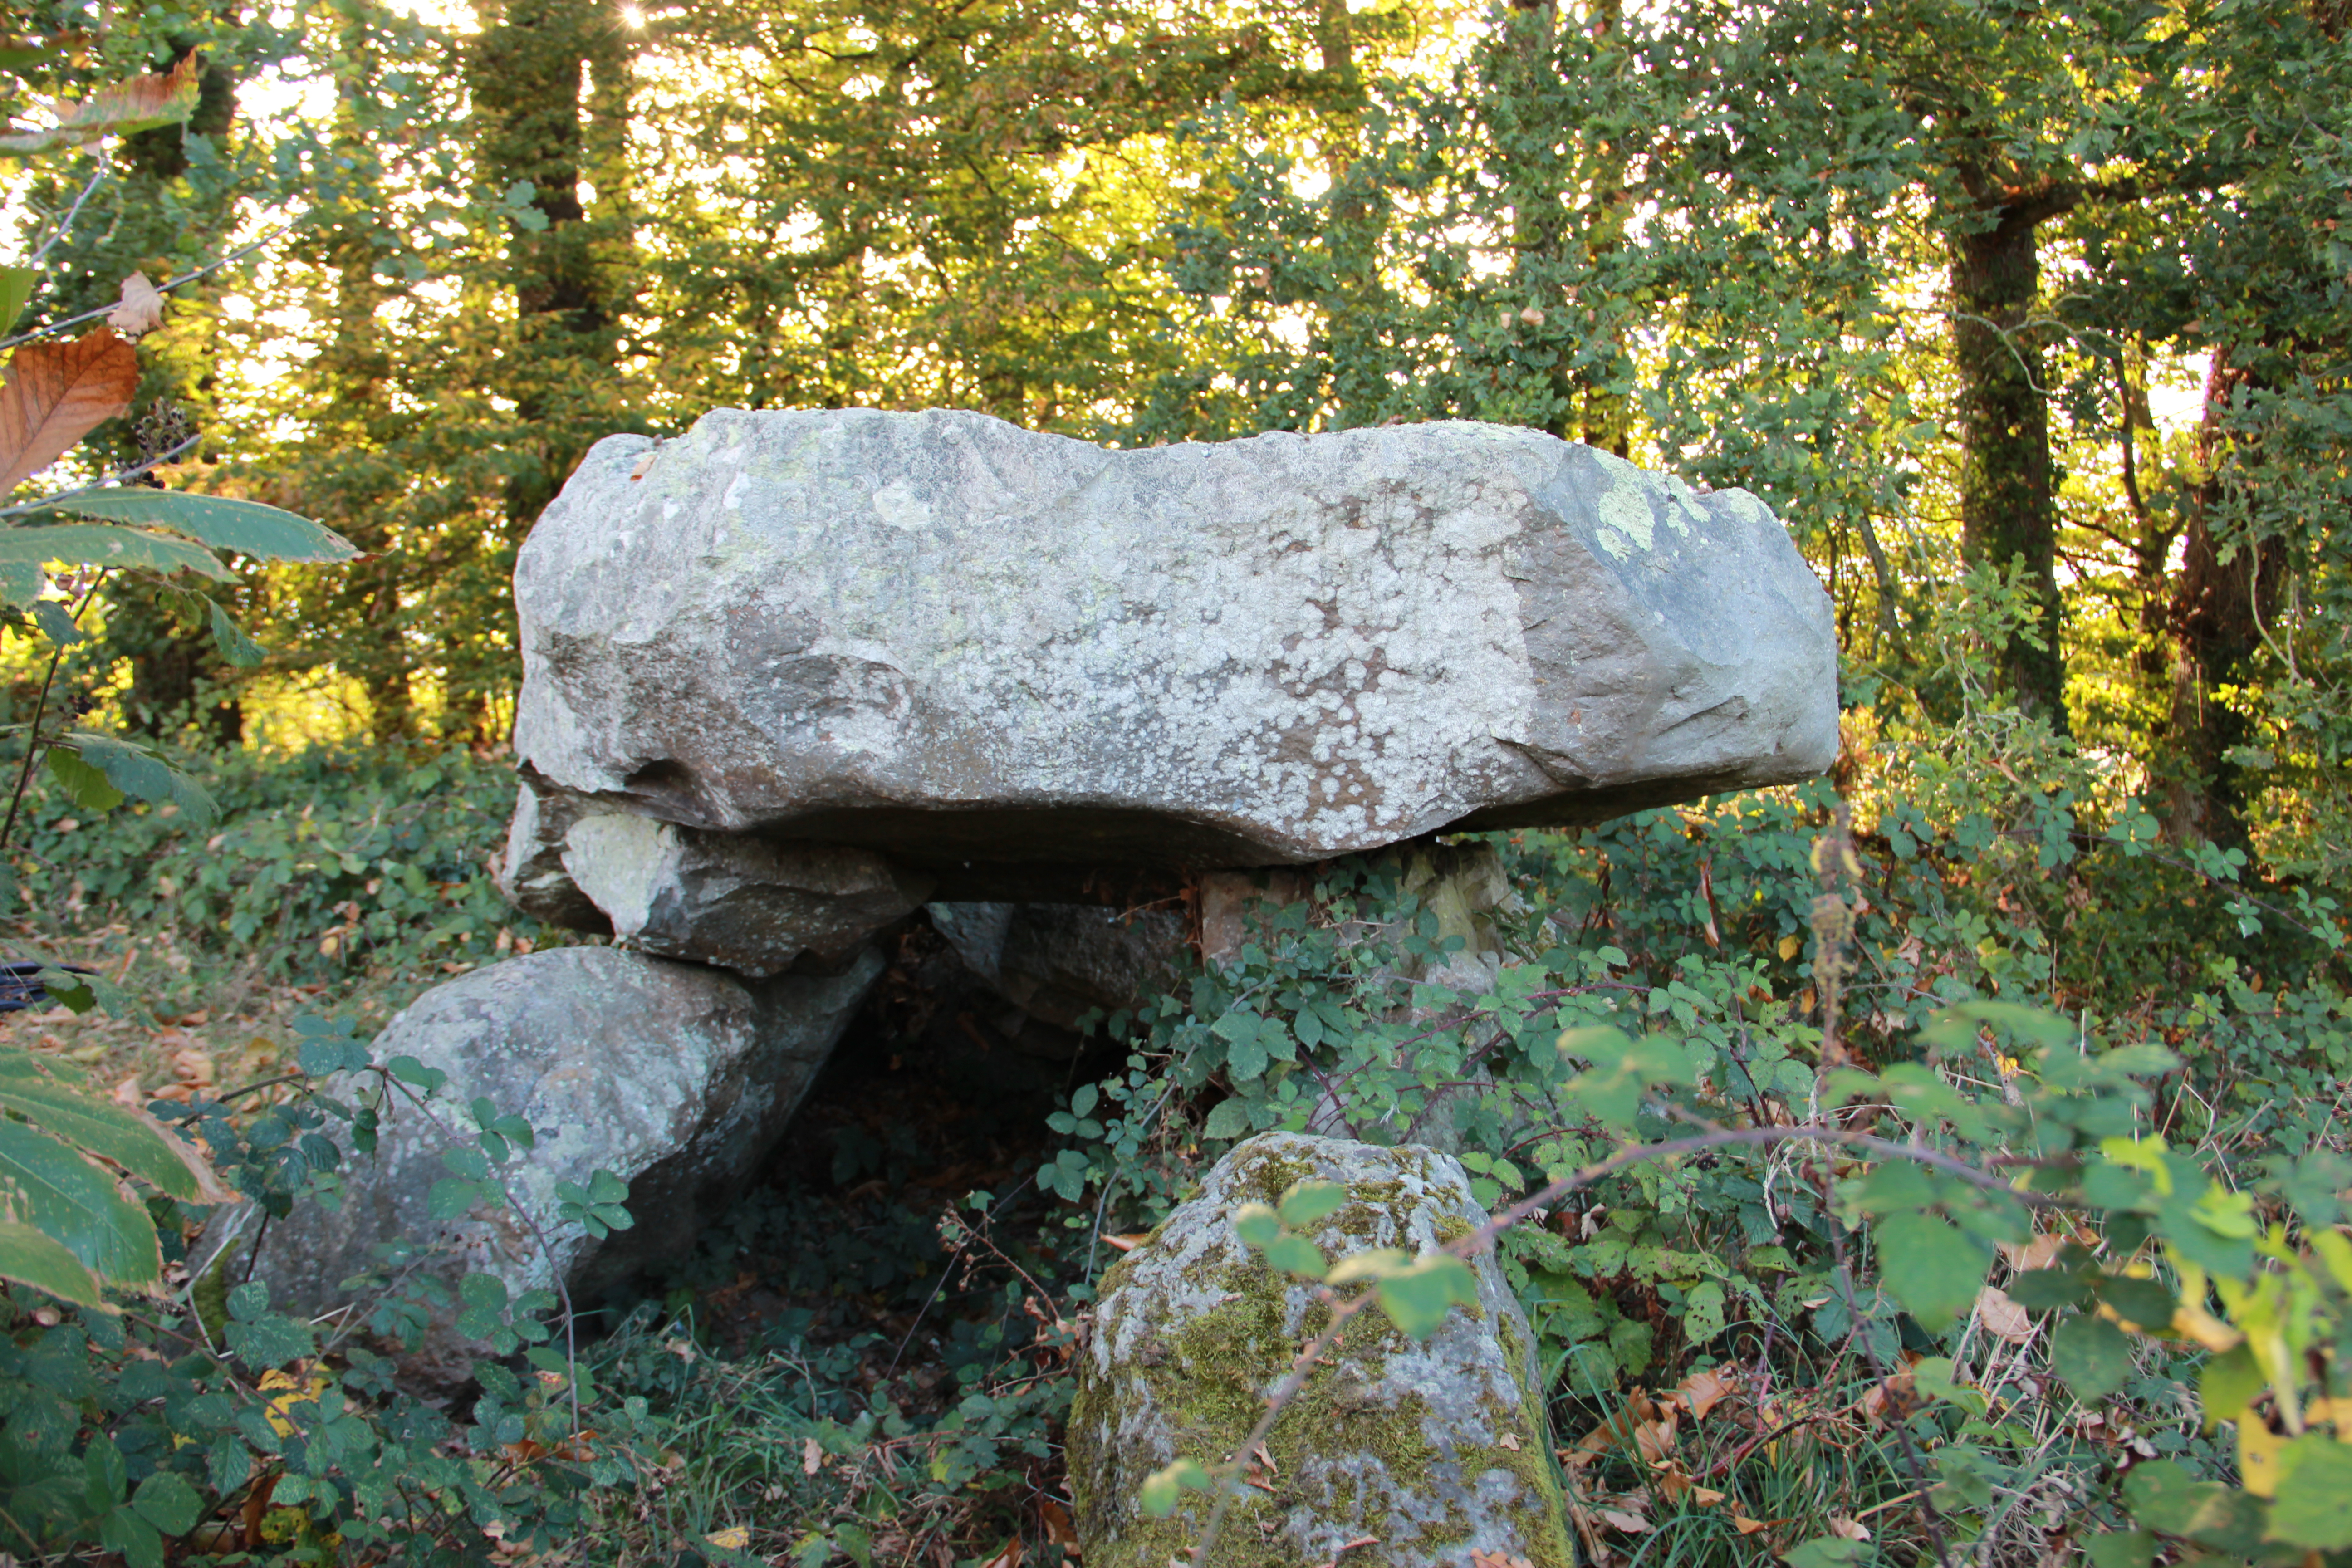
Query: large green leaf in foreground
[[45, 1185], [130, 1139], [248, 527]]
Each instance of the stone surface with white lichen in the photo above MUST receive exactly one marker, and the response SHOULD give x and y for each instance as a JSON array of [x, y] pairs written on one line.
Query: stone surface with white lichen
[[965, 646], [1418, 1452]]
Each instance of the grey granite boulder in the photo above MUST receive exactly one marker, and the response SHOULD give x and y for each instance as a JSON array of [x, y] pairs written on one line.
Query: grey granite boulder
[[1430, 1451], [737, 902], [974, 648], [674, 1077]]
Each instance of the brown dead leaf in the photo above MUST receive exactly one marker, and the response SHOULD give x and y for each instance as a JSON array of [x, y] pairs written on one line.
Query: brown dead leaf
[[645, 463], [811, 1456], [1705, 1497], [1747, 1526], [2039, 1253], [1655, 1439], [1892, 1389], [1848, 1529], [55, 394], [1618, 1519], [2002, 1318], [141, 310], [1059, 1528], [1703, 1391], [1508, 1441], [138, 104], [1008, 1558], [1125, 1243]]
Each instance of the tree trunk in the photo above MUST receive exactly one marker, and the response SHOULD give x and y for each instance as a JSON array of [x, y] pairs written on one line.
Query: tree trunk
[[2213, 614], [2008, 511], [529, 75], [177, 676]]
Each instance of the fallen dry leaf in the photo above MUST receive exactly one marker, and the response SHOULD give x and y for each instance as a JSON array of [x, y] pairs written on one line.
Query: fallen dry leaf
[[1703, 1391], [1508, 1441], [2024, 1256], [2002, 1318], [734, 1538], [811, 1456], [1617, 1519], [1848, 1529], [1008, 1558], [55, 394], [1125, 1243], [645, 464], [141, 310], [1059, 1528]]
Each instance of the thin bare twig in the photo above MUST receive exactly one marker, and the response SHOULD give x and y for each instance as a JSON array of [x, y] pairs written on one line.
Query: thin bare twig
[[239, 254]]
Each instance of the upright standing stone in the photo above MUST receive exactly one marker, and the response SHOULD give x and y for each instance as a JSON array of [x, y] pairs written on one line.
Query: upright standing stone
[[1430, 1449]]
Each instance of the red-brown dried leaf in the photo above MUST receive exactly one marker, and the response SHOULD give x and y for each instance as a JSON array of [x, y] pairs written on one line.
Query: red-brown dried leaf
[[55, 394], [139, 104]]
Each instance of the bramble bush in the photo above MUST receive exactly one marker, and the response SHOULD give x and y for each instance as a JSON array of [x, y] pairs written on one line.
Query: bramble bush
[[1991, 1154]]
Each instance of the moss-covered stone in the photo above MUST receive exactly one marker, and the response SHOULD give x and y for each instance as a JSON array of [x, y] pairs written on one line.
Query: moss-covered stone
[[1430, 1449]]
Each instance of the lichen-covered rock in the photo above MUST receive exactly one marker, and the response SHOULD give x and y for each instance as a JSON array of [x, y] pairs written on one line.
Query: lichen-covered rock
[[1432, 1450], [676, 1078], [963, 645], [733, 899], [1061, 962]]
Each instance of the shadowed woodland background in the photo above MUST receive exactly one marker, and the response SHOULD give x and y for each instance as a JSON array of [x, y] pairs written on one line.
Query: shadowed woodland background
[[2033, 323]]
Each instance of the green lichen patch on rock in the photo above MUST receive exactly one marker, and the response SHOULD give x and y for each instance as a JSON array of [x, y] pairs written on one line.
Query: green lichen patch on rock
[[1432, 1450]]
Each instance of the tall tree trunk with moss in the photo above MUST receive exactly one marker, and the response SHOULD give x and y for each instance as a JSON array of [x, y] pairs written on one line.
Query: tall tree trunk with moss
[[2009, 506], [532, 74]]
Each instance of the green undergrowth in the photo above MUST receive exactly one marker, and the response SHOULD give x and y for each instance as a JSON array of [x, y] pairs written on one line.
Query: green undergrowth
[[862, 1364], [344, 880], [1783, 1349]]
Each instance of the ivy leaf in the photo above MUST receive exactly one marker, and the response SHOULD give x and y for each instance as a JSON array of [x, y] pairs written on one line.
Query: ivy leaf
[[1931, 1266], [1417, 1297], [167, 1501], [2092, 1355], [1307, 1202], [2314, 1505]]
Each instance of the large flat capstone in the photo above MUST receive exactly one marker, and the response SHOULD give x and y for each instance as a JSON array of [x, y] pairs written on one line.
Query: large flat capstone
[[967, 646]]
